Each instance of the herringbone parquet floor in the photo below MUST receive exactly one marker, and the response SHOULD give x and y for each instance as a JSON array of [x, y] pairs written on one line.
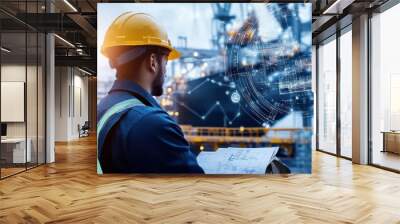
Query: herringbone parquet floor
[[69, 191]]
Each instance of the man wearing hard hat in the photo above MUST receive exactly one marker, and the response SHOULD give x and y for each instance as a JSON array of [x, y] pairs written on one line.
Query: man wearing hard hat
[[134, 133]]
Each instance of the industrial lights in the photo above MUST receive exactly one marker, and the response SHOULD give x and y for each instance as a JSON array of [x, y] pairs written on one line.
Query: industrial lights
[[5, 49], [84, 71], [70, 5], [337, 7], [65, 41], [79, 51]]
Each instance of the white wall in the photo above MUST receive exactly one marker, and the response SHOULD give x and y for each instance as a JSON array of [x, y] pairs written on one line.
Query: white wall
[[12, 73], [61, 103], [80, 100], [71, 93], [33, 127]]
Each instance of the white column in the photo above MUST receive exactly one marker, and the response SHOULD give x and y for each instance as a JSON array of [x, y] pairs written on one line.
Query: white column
[[50, 92], [50, 100], [360, 90]]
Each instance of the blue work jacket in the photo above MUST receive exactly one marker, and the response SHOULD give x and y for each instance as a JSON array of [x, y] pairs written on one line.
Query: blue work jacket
[[145, 139]]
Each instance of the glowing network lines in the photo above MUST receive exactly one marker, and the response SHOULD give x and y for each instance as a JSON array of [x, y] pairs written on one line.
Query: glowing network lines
[[215, 106], [272, 78], [259, 80]]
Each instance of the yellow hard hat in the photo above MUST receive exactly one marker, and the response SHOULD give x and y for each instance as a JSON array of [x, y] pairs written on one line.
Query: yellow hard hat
[[137, 29]]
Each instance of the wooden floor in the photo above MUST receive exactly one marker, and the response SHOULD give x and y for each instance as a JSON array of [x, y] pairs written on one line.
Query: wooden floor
[[387, 159], [10, 171], [69, 191]]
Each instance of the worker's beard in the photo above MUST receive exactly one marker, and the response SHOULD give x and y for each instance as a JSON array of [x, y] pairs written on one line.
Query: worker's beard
[[157, 85]]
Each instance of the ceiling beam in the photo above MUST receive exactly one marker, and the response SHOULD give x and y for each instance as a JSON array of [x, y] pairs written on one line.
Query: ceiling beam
[[78, 61], [337, 7]]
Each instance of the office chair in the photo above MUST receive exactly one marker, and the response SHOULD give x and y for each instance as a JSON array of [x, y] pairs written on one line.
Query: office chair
[[84, 130]]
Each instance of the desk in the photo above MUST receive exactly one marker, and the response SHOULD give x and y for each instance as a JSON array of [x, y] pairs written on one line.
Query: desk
[[13, 150], [391, 141]]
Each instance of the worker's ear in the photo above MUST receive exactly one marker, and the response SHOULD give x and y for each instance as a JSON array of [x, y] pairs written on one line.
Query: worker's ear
[[153, 63]]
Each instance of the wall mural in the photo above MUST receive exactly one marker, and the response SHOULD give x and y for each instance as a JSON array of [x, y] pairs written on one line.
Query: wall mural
[[214, 88]]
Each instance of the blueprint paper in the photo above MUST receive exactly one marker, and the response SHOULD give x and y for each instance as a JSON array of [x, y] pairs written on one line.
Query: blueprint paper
[[237, 160]]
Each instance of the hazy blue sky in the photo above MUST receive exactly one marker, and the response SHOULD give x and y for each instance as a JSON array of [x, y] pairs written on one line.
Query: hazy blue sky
[[193, 20]]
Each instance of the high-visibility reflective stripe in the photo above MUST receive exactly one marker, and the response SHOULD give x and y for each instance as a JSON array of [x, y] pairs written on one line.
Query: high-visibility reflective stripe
[[117, 108]]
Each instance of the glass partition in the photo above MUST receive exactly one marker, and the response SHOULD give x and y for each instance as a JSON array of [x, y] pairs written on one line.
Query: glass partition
[[22, 90], [14, 153]]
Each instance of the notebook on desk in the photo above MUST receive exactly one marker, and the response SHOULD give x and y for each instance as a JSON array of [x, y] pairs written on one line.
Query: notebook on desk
[[237, 160]]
